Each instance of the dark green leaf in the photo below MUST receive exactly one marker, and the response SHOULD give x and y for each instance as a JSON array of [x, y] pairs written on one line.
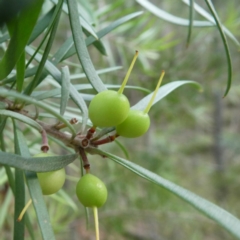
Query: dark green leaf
[[191, 12], [42, 24], [209, 17], [37, 78], [97, 44], [25, 24], [225, 44], [19, 193], [20, 72]]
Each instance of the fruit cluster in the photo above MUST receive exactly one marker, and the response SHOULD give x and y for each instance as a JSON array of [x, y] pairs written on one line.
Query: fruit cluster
[[107, 109], [112, 109], [90, 190]]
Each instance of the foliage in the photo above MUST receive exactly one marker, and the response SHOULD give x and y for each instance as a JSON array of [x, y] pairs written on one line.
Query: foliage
[[37, 99]]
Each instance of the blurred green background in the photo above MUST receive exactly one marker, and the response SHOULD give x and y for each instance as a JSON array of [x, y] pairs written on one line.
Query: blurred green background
[[193, 140]]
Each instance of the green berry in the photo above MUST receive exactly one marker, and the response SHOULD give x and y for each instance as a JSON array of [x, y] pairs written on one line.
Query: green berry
[[135, 125], [91, 191], [53, 181], [108, 108], [138, 122]]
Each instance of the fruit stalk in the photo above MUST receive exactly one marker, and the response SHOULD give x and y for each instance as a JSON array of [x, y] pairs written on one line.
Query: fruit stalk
[[24, 210], [155, 93], [120, 91], [95, 212]]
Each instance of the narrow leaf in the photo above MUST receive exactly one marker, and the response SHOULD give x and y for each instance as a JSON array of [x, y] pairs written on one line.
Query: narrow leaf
[[90, 40], [81, 48], [225, 44], [79, 101], [190, 26], [171, 18], [19, 193], [28, 17], [219, 215], [22, 118], [209, 17], [85, 24], [20, 72], [163, 92], [45, 164], [41, 25], [36, 194], [37, 78], [75, 96], [38, 104], [65, 89]]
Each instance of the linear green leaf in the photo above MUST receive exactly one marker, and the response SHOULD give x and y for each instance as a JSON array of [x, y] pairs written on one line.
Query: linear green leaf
[[75, 96], [19, 193], [190, 26], [171, 18], [25, 24], [22, 118], [37, 78], [41, 25], [112, 86], [50, 28], [100, 71], [209, 17], [219, 215], [163, 92], [36, 164], [35, 193], [20, 72], [90, 40], [65, 89], [18, 96], [81, 48], [225, 44], [68, 49], [79, 101], [86, 25], [7, 168]]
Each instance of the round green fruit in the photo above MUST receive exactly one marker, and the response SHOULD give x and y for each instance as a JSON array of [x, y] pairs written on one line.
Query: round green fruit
[[108, 108], [135, 125], [53, 181], [91, 191]]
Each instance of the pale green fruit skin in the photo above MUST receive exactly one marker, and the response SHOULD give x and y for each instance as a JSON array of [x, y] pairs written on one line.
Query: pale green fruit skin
[[53, 181], [108, 108], [135, 125], [91, 191]]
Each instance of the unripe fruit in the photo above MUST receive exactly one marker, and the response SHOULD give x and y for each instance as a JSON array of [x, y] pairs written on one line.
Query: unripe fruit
[[53, 181], [91, 191], [135, 125], [108, 108], [138, 122]]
